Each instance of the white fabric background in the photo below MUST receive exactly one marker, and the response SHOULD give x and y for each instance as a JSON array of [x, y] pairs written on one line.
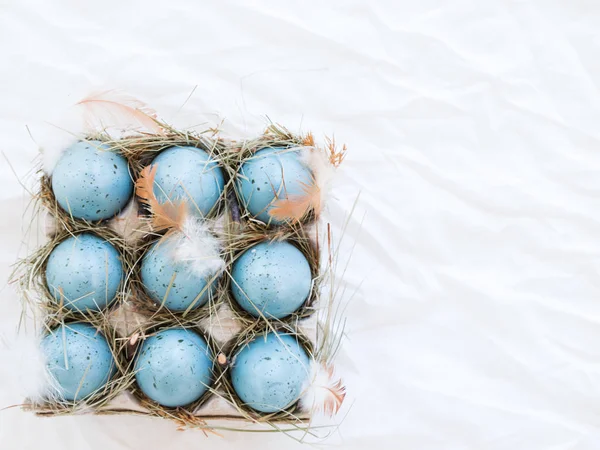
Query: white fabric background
[[474, 140]]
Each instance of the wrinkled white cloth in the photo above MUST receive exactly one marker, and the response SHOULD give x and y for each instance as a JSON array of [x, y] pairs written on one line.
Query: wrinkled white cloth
[[473, 137]]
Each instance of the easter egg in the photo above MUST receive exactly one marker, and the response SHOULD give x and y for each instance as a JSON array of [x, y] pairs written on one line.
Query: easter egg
[[188, 173], [79, 360], [174, 367], [84, 272], [271, 279], [173, 283], [268, 374], [271, 174], [91, 182]]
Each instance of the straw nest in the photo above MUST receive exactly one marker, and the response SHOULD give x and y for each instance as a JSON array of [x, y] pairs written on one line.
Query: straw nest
[[157, 313], [182, 414], [294, 413], [45, 199], [303, 238], [30, 275], [119, 383]]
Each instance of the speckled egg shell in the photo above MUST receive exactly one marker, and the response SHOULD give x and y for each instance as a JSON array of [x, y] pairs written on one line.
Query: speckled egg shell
[[260, 180], [174, 367], [272, 278], [268, 374], [79, 359], [91, 182], [173, 282], [85, 272], [188, 173]]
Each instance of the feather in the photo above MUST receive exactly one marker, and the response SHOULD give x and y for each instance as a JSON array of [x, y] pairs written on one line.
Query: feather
[[198, 248], [317, 160], [109, 111], [295, 207], [113, 109], [322, 164], [169, 215], [30, 379], [323, 393]]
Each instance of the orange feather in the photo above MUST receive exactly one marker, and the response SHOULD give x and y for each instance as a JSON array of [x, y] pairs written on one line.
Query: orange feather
[[117, 108], [164, 215], [325, 392], [294, 207], [334, 402]]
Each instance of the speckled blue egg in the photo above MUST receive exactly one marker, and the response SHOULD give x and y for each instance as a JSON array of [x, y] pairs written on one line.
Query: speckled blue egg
[[260, 180], [173, 283], [272, 279], [91, 182], [85, 272], [188, 173], [79, 359], [174, 367], [269, 373]]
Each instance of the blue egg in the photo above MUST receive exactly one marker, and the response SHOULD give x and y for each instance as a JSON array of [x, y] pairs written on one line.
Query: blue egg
[[85, 272], [188, 173], [174, 367], [174, 283], [268, 374], [79, 359], [91, 182], [271, 174], [272, 278]]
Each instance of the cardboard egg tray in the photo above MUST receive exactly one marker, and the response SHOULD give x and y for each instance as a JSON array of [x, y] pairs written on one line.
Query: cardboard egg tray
[[223, 324]]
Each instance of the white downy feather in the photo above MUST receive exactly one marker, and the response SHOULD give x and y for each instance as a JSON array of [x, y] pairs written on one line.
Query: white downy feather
[[323, 393], [197, 246], [323, 172], [29, 379]]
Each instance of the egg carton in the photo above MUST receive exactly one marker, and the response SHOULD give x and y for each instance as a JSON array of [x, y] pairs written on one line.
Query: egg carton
[[132, 315]]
